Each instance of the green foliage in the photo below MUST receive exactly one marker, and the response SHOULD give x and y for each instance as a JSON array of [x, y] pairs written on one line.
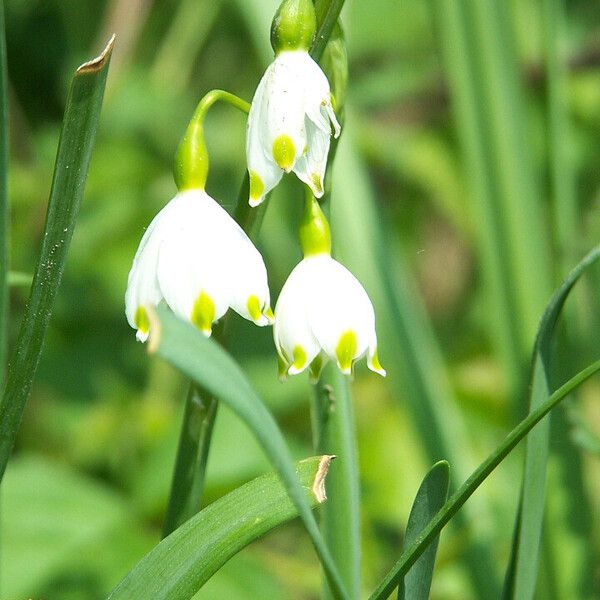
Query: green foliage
[[420, 215], [184, 561]]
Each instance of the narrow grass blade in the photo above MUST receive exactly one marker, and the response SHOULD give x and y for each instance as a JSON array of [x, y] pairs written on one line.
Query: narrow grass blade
[[430, 498], [4, 205], [531, 508], [211, 368], [334, 431], [512, 439], [184, 561], [483, 73], [328, 12], [72, 162]]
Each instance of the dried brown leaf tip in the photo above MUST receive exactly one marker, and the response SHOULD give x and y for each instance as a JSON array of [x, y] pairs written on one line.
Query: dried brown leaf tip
[[94, 65], [318, 488]]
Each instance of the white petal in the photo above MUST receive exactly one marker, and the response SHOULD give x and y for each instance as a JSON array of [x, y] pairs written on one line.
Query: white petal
[[264, 173], [292, 330], [284, 104], [248, 276], [310, 168], [142, 284], [340, 305]]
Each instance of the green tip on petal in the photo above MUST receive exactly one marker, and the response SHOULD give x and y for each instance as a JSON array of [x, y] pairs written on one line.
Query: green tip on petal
[[374, 364], [299, 361], [284, 152], [203, 313], [141, 320], [317, 183], [346, 350], [282, 368], [268, 312], [315, 368], [253, 306], [257, 188]]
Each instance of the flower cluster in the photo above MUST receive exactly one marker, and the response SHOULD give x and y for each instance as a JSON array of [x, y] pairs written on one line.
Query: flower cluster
[[197, 259]]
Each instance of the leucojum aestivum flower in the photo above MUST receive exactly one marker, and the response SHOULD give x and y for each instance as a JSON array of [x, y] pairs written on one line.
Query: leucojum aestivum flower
[[198, 260]]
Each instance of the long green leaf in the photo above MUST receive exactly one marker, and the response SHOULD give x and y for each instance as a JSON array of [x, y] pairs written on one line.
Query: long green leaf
[[209, 366], [430, 498], [514, 437], [4, 205], [184, 561], [531, 512], [483, 73], [72, 162], [335, 433]]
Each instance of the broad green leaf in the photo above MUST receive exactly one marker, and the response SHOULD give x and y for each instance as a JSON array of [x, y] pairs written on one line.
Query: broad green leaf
[[429, 499], [16, 278], [72, 162], [512, 439], [186, 559], [4, 204], [520, 582], [211, 368]]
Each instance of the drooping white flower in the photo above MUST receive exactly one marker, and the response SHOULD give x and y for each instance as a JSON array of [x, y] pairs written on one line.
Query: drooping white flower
[[197, 259], [324, 312], [289, 125]]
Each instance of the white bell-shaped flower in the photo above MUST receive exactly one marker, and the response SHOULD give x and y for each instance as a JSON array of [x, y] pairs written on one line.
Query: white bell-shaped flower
[[197, 259], [323, 312], [289, 125], [323, 308]]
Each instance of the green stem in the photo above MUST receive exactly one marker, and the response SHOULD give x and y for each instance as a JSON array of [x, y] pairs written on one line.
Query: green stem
[[190, 464], [456, 501], [328, 12], [333, 429], [191, 159]]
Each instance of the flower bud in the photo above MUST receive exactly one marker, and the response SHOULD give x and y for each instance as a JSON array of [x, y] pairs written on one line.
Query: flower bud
[[294, 26]]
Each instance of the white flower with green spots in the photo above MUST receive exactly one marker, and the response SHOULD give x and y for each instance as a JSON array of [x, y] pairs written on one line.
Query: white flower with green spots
[[197, 259], [289, 125], [323, 312]]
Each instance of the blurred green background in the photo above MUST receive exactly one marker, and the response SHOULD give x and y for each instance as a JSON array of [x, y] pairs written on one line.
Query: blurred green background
[[86, 489]]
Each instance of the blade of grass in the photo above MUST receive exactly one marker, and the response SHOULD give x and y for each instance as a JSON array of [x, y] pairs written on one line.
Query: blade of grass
[[4, 205], [212, 369], [333, 428], [409, 348], [430, 498], [72, 162], [184, 561], [482, 68], [456, 501], [512, 439], [531, 513]]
